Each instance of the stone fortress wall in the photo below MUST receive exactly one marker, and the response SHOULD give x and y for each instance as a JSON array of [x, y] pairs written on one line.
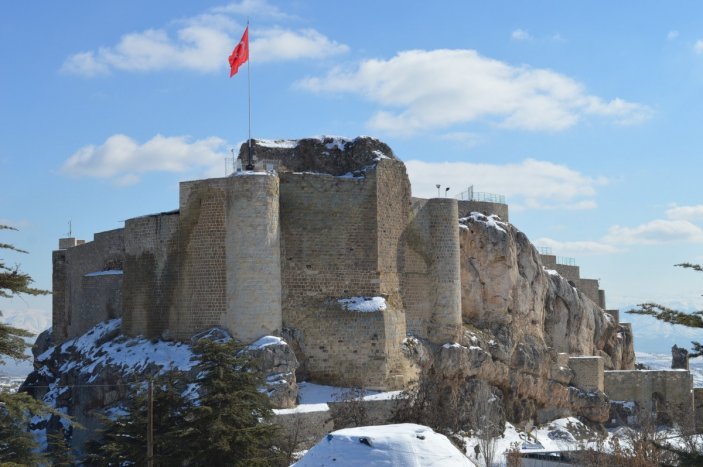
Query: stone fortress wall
[[87, 283], [572, 273], [277, 253], [655, 392]]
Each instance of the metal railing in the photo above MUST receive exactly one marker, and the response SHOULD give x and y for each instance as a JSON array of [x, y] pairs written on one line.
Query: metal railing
[[471, 195], [544, 250], [566, 261]]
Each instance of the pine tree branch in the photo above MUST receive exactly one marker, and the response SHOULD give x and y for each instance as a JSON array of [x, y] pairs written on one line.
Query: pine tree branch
[[668, 315], [695, 267]]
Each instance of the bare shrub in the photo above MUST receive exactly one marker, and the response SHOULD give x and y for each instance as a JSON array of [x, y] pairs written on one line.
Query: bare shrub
[[350, 411]]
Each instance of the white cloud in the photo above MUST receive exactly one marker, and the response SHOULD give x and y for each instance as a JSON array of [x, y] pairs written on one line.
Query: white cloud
[[280, 44], [421, 90], [123, 160], [531, 184], [655, 232], [576, 248], [202, 43], [685, 212], [698, 46], [520, 35], [672, 35], [464, 138], [258, 8]]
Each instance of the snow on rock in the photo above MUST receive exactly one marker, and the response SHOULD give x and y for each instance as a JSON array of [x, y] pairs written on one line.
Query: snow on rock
[[109, 272], [404, 444], [278, 143], [265, 342], [363, 304], [491, 221]]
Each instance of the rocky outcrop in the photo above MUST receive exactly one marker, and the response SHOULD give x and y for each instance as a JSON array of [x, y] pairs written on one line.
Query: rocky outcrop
[[331, 155], [92, 374], [504, 285], [518, 318], [679, 358]]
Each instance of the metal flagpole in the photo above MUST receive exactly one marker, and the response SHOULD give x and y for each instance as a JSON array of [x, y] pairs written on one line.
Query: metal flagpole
[[250, 165]]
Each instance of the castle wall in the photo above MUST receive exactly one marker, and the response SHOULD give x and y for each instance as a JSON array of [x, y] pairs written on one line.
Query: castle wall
[[82, 298], [330, 251], [588, 373], [151, 273], [432, 292], [698, 409], [392, 214], [589, 287], [200, 298], [484, 207], [253, 257], [673, 387]]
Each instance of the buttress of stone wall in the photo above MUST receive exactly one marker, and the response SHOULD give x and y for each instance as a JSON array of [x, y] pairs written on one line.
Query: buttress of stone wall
[[432, 292], [393, 215], [151, 273], [82, 298], [329, 250], [253, 252], [201, 291]]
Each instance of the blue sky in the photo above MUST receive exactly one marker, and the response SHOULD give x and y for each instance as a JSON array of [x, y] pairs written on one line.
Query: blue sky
[[584, 114]]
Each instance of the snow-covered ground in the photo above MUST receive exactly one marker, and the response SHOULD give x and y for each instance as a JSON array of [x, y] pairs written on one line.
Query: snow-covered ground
[[404, 444], [314, 397]]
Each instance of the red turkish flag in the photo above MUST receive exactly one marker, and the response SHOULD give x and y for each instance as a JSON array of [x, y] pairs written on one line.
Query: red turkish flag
[[240, 54]]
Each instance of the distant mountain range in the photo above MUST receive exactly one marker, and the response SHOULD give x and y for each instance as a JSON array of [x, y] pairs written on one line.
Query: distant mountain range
[[31, 319]]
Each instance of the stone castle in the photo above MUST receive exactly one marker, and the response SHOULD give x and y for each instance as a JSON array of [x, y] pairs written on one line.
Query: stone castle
[[330, 229], [325, 246]]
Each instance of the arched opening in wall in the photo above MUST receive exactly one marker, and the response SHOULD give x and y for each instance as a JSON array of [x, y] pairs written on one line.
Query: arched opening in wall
[[660, 410]]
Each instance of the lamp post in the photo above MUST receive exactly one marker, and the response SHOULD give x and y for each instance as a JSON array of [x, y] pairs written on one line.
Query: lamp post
[[438, 185]]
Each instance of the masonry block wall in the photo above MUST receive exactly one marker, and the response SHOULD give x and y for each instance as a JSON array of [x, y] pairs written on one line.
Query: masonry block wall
[[253, 257], [151, 274], [201, 292], [698, 409], [673, 387], [588, 373], [329, 250], [393, 197], [82, 298]]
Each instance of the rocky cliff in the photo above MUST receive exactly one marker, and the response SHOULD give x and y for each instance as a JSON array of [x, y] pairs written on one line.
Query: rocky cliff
[[520, 322]]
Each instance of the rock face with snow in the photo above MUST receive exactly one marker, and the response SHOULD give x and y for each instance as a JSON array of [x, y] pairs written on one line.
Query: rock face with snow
[[327, 154], [91, 374]]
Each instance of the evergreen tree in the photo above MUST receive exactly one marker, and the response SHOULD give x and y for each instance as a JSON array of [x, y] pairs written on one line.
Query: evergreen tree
[[668, 315], [230, 423], [224, 423], [124, 440], [14, 282], [17, 444]]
